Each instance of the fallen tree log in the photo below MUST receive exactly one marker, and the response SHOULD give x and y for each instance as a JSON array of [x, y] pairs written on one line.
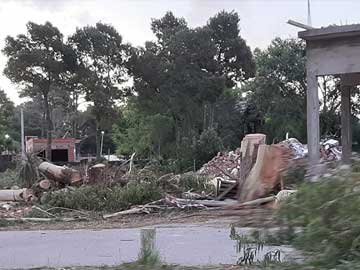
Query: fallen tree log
[[136, 210], [60, 174], [183, 203], [16, 195]]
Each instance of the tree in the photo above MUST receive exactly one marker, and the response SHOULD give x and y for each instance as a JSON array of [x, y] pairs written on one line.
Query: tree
[[7, 133], [35, 63], [279, 88], [184, 72], [101, 58], [233, 56]]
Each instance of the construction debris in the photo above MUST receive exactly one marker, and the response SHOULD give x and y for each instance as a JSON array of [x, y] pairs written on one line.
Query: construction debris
[[298, 149], [226, 165], [330, 150]]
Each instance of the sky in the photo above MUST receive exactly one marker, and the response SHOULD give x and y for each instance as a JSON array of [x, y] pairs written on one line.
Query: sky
[[260, 20]]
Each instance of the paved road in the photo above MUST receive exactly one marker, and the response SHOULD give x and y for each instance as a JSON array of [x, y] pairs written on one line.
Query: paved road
[[187, 245]]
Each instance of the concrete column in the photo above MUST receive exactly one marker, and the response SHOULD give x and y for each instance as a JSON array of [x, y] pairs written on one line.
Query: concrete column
[[346, 141], [313, 123]]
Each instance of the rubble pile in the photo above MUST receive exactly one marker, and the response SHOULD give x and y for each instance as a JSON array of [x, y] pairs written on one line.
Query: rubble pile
[[298, 149], [224, 165], [330, 150]]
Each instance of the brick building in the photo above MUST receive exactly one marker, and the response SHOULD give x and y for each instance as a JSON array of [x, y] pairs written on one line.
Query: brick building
[[62, 150]]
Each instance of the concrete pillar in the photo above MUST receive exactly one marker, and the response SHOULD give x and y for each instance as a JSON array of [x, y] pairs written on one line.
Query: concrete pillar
[[346, 141], [313, 123]]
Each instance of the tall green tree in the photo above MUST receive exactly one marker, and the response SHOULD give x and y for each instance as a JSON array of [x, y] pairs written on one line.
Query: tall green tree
[[179, 81], [279, 89], [233, 55], [35, 63], [101, 56]]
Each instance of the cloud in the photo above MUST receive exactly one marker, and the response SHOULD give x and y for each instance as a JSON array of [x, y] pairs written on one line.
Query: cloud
[[50, 5]]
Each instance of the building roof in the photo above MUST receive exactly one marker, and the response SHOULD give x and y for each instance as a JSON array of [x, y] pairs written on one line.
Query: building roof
[[330, 32]]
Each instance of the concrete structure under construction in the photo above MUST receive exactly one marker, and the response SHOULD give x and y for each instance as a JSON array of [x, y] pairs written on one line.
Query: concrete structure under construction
[[333, 50]]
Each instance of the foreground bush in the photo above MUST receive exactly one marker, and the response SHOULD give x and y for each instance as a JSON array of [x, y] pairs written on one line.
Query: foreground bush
[[329, 212], [102, 198]]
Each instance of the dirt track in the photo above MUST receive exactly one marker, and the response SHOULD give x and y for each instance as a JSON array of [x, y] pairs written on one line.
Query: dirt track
[[242, 218]]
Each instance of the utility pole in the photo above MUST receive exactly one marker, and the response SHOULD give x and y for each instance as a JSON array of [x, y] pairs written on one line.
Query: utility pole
[[22, 134], [309, 15], [102, 142]]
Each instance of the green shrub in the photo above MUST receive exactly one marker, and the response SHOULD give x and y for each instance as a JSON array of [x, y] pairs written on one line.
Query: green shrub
[[101, 198], [9, 178], [329, 212], [295, 176], [28, 169]]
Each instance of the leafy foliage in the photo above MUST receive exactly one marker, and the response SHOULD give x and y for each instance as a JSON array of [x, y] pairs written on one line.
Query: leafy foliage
[[329, 214], [28, 169], [101, 59], [278, 90], [7, 132], [96, 198], [35, 62], [178, 80]]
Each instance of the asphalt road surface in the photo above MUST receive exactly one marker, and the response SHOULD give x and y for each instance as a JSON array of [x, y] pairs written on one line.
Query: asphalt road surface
[[185, 245]]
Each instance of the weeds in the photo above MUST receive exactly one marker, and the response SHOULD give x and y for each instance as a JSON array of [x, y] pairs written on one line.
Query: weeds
[[250, 246]]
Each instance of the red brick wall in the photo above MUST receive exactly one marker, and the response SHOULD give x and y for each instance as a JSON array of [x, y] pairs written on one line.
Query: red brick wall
[[40, 144]]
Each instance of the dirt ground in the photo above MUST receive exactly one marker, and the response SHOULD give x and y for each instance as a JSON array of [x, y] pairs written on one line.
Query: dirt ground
[[259, 217], [162, 267]]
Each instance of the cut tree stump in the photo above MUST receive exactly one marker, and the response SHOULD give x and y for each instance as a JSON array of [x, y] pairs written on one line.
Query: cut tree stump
[[45, 184], [266, 173]]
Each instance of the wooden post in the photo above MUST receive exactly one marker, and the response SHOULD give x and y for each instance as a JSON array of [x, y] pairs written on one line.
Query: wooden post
[[313, 123], [346, 124]]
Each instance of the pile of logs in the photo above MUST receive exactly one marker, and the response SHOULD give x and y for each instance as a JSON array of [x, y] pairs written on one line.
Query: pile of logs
[[52, 173]]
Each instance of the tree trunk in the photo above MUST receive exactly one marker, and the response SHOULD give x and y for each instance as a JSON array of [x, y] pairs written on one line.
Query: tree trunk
[[49, 127], [14, 195], [98, 140]]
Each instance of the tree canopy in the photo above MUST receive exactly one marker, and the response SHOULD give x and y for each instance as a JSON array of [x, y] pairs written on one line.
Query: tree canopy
[[101, 57], [35, 62]]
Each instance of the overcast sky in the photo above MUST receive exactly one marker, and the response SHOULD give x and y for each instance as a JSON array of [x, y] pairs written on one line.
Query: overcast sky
[[261, 20]]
